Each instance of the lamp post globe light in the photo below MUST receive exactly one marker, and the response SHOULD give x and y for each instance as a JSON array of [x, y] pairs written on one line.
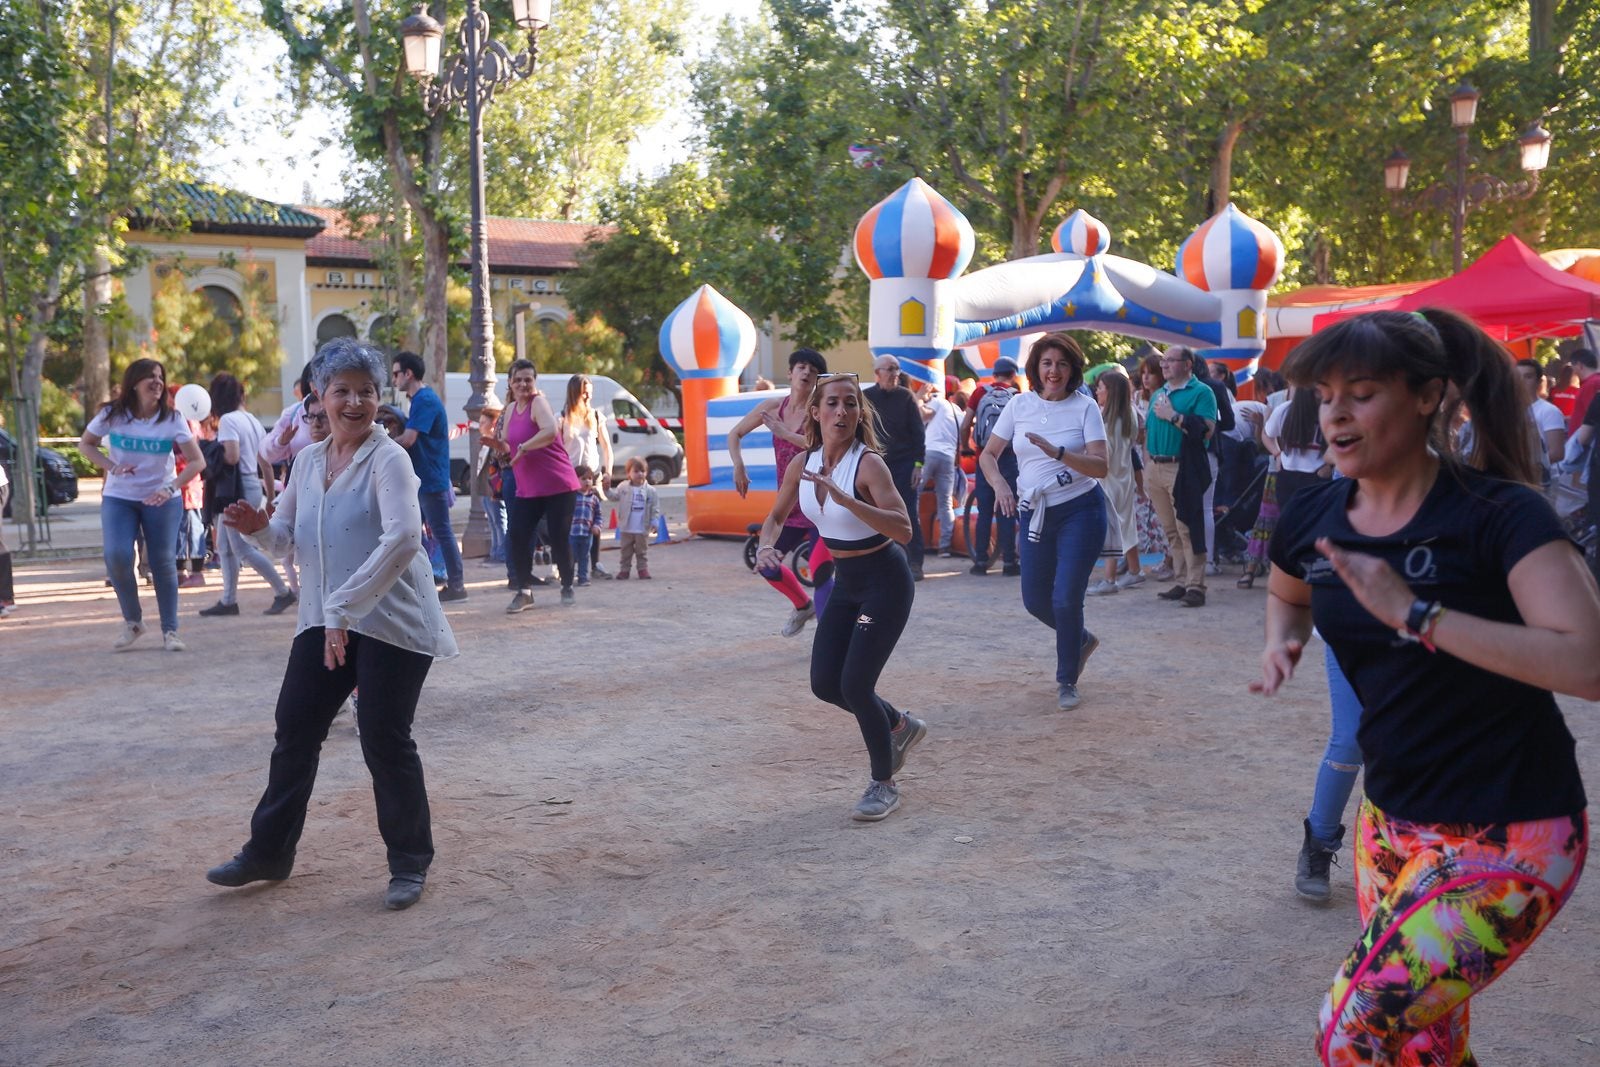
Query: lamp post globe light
[[468, 80], [1469, 190]]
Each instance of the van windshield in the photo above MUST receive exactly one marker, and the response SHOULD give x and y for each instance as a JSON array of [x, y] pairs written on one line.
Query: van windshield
[[625, 407]]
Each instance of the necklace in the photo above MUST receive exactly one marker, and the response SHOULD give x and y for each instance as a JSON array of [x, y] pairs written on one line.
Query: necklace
[[334, 472]]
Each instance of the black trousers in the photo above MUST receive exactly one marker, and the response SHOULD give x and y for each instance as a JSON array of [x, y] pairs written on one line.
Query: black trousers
[[907, 482], [391, 680], [866, 614], [522, 517]]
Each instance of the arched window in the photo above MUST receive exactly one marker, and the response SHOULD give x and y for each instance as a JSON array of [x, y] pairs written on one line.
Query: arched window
[[225, 306], [334, 326], [383, 334]]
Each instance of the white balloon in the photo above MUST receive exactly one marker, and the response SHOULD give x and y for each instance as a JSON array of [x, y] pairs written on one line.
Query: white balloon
[[193, 402]]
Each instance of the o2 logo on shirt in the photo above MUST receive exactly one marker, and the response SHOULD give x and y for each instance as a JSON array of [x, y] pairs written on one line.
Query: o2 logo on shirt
[[1419, 564]]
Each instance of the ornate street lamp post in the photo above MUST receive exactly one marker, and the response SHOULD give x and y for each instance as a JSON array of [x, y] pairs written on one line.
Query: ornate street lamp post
[[469, 80], [1469, 190]]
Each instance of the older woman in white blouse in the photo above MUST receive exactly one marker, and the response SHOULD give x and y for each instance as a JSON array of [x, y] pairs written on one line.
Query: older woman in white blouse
[[369, 617]]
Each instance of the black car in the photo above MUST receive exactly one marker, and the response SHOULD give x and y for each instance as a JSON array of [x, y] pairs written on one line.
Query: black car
[[60, 480]]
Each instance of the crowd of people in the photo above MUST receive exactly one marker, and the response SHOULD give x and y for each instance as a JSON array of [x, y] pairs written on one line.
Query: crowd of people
[[1406, 487]]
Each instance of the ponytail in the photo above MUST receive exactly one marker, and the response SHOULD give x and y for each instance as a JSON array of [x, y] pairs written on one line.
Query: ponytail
[[1486, 383]]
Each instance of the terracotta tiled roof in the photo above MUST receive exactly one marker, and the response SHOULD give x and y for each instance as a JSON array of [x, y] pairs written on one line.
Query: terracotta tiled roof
[[334, 242], [208, 208], [514, 244]]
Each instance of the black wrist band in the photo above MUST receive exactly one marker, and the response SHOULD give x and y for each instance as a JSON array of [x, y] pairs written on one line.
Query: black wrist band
[[1417, 617]]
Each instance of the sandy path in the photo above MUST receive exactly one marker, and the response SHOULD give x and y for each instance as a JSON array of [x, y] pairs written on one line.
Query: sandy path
[[644, 854]]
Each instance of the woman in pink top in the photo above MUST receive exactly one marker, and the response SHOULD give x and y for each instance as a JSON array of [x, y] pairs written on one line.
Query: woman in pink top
[[547, 486]]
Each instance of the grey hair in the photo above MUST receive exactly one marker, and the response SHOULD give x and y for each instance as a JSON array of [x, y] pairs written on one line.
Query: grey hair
[[346, 355]]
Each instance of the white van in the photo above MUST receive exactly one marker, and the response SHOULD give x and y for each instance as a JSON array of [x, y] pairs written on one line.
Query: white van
[[634, 430]]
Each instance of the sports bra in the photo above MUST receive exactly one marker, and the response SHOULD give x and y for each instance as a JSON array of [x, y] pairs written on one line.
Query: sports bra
[[840, 530]]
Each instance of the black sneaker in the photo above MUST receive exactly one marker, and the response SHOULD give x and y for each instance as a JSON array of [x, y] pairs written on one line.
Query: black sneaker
[[447, 594], [1177, 592], [241, 871], [979, 566], [281, 604], [1011, 570], [1311, 872], [219, 608]]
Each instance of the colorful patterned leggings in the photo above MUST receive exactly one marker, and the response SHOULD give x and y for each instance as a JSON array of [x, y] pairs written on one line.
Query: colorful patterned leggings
[[1447, 909]]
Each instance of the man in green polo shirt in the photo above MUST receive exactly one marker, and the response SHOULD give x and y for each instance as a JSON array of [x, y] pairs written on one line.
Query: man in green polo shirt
[[1183, 394]]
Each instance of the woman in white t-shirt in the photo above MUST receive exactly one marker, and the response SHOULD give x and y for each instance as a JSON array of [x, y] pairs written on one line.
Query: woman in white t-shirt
[[1060, 443], [583, 431], [143, 492], [240, 434]]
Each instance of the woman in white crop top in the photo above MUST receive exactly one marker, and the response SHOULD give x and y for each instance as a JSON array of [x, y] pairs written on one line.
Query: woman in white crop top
[[844, 481]]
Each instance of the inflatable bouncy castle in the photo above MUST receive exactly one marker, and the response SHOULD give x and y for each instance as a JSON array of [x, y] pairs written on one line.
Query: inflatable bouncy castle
[[914, 248]]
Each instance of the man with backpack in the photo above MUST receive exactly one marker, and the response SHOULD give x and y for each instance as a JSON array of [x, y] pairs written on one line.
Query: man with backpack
[[987, 404]]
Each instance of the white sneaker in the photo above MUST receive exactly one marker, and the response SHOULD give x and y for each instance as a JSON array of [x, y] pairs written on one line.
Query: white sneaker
[[1102, 588], [172, 642], [798, 619], [1128, 581], [131, 632]]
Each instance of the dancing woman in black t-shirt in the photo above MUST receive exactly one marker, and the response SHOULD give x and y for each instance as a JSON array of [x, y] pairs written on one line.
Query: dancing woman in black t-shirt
[[1455, 604]]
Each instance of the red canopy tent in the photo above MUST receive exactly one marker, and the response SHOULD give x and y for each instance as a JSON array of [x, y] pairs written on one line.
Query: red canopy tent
[[1509, 291]]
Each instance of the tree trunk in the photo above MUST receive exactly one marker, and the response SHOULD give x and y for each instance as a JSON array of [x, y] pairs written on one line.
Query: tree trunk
[[97, 294], [41, 317], [1221, 191]]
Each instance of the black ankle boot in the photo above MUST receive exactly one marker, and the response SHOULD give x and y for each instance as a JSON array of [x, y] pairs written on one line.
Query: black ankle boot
[[1311, 873]]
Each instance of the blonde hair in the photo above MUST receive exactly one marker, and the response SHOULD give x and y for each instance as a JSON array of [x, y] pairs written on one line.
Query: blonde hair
[[1119, 402], [866, 428]]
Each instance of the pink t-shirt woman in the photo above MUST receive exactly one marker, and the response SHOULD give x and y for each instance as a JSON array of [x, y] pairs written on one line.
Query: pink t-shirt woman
[[539, 471]]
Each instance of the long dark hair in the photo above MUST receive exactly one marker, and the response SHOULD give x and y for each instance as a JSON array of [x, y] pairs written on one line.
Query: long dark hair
[[125, 404], [1302, 428], [574, 393], [1426, 346]]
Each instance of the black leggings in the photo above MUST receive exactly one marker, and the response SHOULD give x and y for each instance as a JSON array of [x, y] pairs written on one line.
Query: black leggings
[[859, 628], [524, 513], [391, 680]]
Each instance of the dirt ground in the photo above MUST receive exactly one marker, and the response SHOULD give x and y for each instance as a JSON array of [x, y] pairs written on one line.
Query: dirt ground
[[644, 854]]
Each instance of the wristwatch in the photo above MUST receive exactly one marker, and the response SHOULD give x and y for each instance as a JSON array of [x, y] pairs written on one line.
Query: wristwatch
[[1420, 620]]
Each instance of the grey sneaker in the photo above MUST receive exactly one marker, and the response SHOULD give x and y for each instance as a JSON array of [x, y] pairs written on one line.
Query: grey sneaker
[[1103, 588], [521, 602], [1128, 581], [1067, 697], [1091, 644], [568, 597], [172, 642], [798, 619], [877, 802], [911, 730], [131, 632]]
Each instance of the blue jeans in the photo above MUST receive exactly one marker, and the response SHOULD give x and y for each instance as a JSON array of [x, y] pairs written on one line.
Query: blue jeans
[[580, 554], [436, 513], [986, 516], [941, 468], [1336, 776], [1055, 573], [494, 509], [121, 523]]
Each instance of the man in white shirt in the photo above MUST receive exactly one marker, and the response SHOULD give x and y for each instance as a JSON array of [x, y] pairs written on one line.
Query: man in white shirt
[[941, 431], [1549, 423]]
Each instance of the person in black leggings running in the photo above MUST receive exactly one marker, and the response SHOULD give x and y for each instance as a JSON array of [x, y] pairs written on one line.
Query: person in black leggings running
[[850, 497]]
